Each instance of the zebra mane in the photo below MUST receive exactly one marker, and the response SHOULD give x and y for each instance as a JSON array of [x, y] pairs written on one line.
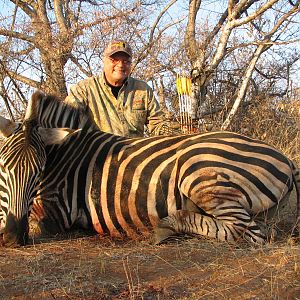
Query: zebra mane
[[28, 126], [52, 112]]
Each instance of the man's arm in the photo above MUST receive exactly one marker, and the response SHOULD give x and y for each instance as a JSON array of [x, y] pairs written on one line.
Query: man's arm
[[77, 96]]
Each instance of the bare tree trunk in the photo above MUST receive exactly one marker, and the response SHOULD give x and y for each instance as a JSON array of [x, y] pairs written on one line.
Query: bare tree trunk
[[191, 45], [243, 87]]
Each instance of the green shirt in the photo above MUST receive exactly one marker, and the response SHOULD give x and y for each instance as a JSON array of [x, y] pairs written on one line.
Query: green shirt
[[127, 115]]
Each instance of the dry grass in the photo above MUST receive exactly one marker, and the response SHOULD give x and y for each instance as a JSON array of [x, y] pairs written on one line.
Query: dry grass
[[99, 268], [275, 127]]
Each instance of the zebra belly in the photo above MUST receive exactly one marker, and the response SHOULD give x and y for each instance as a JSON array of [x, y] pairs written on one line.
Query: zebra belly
[[133, 202]]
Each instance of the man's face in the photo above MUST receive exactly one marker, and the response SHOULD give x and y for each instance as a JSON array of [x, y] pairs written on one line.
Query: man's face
[[117, 68]]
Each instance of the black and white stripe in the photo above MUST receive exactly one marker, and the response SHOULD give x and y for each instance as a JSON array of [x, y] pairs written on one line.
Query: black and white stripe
[[214, 184], [21, 162]]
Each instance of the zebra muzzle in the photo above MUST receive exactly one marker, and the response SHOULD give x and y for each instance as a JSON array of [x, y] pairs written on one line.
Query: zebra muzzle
[[15, 232]]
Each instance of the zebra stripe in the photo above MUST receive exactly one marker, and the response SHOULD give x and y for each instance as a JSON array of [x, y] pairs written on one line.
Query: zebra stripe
[[22, 160], [213, 184], [125, 186], [51, 112]]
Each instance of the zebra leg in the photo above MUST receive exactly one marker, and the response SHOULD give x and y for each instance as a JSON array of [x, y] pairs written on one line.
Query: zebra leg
[[47, 219], [229, 228]]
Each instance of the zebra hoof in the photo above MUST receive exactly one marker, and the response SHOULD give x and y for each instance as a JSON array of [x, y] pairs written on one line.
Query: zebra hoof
[[161, 234]]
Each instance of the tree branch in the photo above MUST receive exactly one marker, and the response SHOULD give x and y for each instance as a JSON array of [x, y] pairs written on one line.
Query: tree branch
[[24, 79], [190, 38], [60, 17], [158, 19], [27, 6], [77, 63], [242, 89], [17, 35], [254, 15]]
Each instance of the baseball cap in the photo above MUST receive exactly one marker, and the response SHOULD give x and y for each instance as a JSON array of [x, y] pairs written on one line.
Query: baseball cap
[[117, 46]]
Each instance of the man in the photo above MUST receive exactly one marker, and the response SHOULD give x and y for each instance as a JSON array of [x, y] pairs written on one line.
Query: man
[[117, 102]]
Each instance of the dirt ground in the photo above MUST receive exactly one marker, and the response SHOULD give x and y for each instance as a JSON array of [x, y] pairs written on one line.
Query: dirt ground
[[94, 267]]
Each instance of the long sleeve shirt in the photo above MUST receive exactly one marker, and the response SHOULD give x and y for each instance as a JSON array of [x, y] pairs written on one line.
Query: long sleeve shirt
[[127, 115]]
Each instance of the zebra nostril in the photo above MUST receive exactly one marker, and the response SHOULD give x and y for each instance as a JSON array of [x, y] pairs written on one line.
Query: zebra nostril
[[15, 232]]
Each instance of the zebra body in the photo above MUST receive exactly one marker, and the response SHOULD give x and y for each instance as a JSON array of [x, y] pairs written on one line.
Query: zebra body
[[213, 184]]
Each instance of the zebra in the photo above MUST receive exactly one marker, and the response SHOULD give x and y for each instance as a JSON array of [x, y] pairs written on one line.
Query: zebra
[[29, 158], [213, 184]]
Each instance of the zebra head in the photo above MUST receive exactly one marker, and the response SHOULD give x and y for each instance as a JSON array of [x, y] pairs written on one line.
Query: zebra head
[[22, 160]]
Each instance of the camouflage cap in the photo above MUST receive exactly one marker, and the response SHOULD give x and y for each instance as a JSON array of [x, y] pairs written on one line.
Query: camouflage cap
[[117, 46]]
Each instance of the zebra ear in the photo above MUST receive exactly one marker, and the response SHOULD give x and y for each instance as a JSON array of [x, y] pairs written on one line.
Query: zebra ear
[[7, 127], [52, 136]]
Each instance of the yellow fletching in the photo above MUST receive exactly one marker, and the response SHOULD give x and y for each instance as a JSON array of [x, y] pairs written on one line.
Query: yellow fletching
[[179, 85], [184, 85]]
